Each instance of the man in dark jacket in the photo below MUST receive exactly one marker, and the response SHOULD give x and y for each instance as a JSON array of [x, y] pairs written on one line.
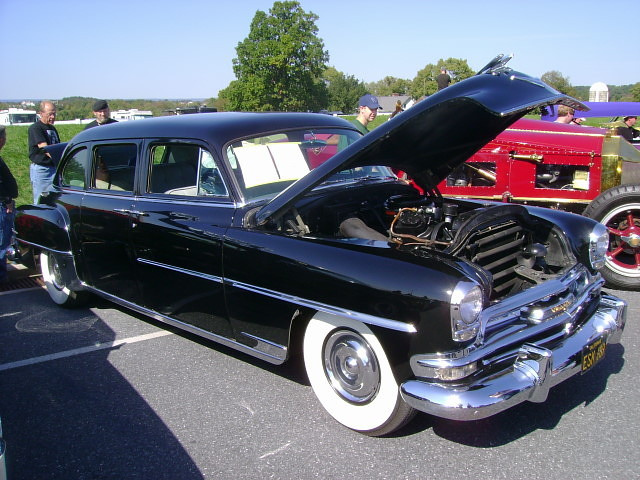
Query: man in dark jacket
[[41, 134], [8, 192], [102, 113], [626, 129]]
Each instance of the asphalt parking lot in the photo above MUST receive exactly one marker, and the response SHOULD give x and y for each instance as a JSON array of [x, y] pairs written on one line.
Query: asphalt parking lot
[[101, 393]]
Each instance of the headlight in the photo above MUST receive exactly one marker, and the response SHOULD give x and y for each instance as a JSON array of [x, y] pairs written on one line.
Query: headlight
[[466, 304], [598, 245]]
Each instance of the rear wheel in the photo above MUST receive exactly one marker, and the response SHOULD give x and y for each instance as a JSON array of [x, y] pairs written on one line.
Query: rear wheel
[[351, 376], [619, 210], [51, 265]]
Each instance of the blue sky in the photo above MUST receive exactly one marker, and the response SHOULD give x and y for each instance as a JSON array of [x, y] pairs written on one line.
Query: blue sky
[[184, 48]]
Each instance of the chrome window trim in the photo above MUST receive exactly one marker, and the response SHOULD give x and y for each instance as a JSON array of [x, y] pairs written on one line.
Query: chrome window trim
[[186, 201]]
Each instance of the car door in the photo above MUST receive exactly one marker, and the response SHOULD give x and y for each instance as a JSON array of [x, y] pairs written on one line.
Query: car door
[[183, 211], [105, 233]]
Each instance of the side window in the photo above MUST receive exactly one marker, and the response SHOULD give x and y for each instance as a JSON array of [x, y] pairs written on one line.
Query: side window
[[182, 169], [114, 167], [73, 172], [210, 181]]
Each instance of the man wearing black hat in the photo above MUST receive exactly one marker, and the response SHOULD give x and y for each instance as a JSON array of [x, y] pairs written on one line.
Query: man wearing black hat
[[626, 129], [102, 113]]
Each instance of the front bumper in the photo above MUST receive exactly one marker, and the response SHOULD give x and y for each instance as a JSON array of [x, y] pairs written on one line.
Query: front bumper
[[535, 370]]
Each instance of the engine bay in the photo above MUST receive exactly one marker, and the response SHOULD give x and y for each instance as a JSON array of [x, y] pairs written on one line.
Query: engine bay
[[513, 248]]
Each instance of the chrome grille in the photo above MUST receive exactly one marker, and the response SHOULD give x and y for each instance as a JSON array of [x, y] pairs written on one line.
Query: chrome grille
[[496, 249]]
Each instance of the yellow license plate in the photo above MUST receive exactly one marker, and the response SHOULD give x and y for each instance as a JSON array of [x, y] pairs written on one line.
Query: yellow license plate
[[592, 354]]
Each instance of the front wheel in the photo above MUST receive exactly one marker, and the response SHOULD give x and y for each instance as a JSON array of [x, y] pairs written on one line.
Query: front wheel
[[619, 210], [351, 376], [51, 265]]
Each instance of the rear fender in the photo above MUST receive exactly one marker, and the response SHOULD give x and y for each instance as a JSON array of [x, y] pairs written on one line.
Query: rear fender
[[43, 227]]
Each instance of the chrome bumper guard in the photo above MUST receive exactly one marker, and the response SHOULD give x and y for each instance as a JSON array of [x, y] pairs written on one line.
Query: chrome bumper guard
[[529, 378]]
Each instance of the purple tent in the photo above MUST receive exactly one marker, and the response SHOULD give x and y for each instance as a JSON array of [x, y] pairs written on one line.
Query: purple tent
[[599, 109]]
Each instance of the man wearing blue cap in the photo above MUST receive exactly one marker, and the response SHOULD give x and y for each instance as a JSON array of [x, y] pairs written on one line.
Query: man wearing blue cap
[[367, 111]]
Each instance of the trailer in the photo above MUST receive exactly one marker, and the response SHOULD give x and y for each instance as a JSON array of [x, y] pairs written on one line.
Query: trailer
[[17, 116]]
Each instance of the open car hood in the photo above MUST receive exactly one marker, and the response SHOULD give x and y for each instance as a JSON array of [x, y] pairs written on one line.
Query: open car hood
[[433, 137]]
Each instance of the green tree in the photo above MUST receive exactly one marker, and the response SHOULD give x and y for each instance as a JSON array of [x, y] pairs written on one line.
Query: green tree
[[279, 65], [561, 83], [635, 92], [389, 85], [344, 90], [424, 83]]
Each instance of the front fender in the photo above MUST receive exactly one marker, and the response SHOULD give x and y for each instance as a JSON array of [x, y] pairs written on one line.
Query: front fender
[[43, 226]]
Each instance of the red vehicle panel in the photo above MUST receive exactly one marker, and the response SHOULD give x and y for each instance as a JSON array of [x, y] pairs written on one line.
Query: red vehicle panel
[[584, 170]]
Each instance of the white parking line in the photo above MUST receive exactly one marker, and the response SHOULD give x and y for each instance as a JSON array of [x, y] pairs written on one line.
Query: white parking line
[[80, 351]]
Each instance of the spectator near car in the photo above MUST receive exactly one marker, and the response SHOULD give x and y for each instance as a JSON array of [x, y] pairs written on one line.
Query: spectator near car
[[102, 113], [626, 129], [565, 114], [8, 194], [41, 134], [443, 79]]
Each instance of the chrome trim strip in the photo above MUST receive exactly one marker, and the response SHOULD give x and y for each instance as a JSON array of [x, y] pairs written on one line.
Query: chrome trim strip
[[184, 201], [555, 132], [268, 347], [190, 328], [136, 198], [206, 276], [41, 247], [362, 317]]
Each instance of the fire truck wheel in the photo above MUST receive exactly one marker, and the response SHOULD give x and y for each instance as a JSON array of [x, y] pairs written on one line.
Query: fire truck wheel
[[619, 209]]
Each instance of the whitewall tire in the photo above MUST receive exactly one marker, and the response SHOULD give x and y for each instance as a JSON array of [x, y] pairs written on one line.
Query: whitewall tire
[[51, 274], [351, 376]]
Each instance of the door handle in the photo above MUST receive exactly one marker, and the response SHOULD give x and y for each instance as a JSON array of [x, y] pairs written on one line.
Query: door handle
[[131, 212]]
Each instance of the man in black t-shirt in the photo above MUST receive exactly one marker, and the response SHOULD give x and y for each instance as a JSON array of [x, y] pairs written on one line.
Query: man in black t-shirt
[[41, 134], [443, 80]]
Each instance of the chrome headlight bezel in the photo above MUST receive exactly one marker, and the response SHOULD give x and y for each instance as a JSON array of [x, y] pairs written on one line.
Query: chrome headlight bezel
[[598, 246], [467, 301]]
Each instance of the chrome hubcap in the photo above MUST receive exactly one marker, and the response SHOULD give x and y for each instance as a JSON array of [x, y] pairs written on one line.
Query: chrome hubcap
[[351, 366], [54, 271]]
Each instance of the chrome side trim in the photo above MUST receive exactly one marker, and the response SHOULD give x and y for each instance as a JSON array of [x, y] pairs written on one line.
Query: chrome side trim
[[362, 317], [276, 360], [42, 247], [193, 273], [268, 347], [322, 307]]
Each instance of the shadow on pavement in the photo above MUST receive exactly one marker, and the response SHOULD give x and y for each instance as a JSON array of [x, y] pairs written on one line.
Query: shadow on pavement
[[61, 422]]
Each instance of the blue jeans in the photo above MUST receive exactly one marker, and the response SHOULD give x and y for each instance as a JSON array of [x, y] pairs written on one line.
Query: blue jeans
[[6, 232], [41, 179]]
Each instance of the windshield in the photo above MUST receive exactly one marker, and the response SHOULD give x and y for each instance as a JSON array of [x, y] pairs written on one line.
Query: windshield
[[266, 165]]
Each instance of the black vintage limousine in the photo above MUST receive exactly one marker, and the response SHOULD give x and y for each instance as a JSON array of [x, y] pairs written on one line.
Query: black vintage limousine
[[278, 234]]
